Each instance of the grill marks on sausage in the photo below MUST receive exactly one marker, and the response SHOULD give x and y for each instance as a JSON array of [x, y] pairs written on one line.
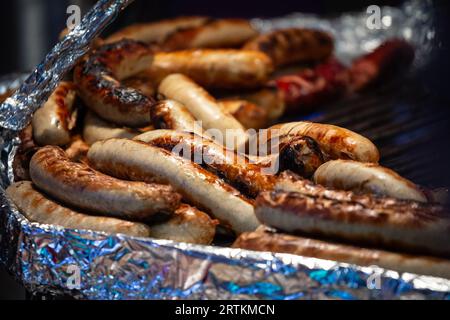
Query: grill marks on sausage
[[227, 164], [98, 79], [81, 186], [293, 45]]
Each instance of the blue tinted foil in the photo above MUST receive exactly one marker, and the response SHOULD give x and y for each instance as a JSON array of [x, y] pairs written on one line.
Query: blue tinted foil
[[92, 265]]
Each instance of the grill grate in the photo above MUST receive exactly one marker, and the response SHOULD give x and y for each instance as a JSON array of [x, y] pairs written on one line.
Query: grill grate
[[407, 123]]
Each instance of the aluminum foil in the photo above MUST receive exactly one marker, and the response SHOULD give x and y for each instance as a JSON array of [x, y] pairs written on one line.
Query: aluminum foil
[[17, 110], [357, 33], [93, 265]]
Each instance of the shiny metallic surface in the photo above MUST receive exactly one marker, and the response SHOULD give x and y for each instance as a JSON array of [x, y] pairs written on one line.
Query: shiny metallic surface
[[16, 112], [358, 32], [93, 265]]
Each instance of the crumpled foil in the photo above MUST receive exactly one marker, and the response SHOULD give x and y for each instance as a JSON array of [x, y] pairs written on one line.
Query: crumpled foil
[[93, 265], [17, 110], [358, 33]]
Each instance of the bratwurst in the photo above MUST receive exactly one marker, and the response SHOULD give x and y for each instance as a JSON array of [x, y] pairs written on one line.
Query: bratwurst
[[135, 160], [98, 79], [81, 186], [37, 207]]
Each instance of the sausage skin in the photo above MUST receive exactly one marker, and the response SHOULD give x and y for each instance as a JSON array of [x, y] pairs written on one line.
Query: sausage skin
[[79, 185], [137, 160], [54, 120], [367, 178], [37, 207]]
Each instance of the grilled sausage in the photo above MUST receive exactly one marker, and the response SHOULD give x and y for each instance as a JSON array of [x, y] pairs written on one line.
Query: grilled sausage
[[223, 126], [156, 31], [312, 87], [367, 178], [336, 142], [81, 186], [293, 45], [143, 83], [220, 33], [301, 207], [37, 207], [137, 160], [268, 98], [77, 150], [54, 120], [24, 152], [96, 129], [170, 114], [219, 68], [387, 59], [97, 78], [236, 169], [250, 115], [265, 240], [188, 224]]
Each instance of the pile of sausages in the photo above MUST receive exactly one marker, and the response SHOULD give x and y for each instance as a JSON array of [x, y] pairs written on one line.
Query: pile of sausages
[[103, 153]]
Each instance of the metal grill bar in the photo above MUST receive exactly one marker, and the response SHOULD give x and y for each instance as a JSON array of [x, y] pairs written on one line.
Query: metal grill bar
[[403, 120]]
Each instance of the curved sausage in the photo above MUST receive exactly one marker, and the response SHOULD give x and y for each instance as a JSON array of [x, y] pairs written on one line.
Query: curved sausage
[[156, 31], [220, 33], [250, 115], [219, 68], [81, 186], [291, 45], [137, 160], [96, 129], [300, 206], [264, 240], [188, 224], [37, 207], [234, 168], [336, 142], [223, 126], [97, 78], [367, 178], [54, 120], [170, 114]]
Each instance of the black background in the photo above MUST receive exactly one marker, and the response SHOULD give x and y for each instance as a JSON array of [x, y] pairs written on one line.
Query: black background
[[52, 19]]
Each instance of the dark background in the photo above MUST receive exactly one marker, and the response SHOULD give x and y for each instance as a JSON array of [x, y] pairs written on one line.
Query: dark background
[[29, 28]]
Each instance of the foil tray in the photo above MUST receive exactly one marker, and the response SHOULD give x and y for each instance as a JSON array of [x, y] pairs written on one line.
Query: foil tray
[[84, 264]]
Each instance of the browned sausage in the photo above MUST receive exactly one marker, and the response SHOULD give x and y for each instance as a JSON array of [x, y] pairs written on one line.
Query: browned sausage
[[218, 68], [137, 160], [265, 240], [304, 208], [37, 207], [236, 169], [156, 31], [53, 122], [81, 186], [97, 78], [336, 142], [367, 178], [188, 224], [220, 33], [250, 115], [293, 45]]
